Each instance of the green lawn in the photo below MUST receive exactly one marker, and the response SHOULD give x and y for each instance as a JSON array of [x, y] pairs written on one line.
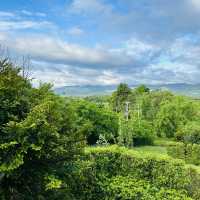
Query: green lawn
[[151, 150], [157, 151]]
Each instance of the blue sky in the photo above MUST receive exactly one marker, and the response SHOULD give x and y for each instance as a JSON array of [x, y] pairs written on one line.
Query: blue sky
[[79, 42]]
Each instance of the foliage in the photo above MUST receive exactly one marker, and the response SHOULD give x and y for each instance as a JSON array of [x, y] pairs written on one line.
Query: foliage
[[39, 135], [14, 94], [119, 97], [188, 152], [148, 104], [135, 132], [142, 89], [100, 121], [129, 188], [172, 115], [118, 173], [189, 133], [42, 138]]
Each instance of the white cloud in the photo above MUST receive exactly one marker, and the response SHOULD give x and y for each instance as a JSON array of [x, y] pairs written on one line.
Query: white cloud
[[62, 75], [29, 13], [47, 48], [43, 47], [128, 57], [75, 31], [26, 24], [108, 77], [6, 14], [88, 7], [26, 12], [195, 4], [16, 21], [136, 48]]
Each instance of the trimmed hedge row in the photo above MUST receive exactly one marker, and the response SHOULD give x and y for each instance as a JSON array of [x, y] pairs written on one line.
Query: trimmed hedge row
[[128, 188], [113, 168], [189, 152]]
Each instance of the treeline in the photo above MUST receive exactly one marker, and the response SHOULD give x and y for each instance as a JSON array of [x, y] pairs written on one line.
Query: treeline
[[159, 114], [43, 137], [152, 114]]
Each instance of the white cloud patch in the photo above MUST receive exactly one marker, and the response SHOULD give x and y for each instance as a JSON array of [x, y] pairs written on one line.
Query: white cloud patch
[[62, 75], [26, 24], [136, 49], [29, 13], [90, 7], [6, 14], [195, 4], [75, 31], [43, 47], [15, 21]]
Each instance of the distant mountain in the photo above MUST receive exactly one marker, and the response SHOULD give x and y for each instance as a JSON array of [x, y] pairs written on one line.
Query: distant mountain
[[85, 90], [90, 90]]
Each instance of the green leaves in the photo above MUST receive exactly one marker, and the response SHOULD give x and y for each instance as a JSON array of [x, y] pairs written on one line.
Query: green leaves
[[52, 182], [114, 172], [174, 114], [98, 120], [39, 135], [135, 132], [189, 133]]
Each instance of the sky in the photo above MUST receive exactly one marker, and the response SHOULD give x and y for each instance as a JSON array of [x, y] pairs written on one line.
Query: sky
[[104, 42]]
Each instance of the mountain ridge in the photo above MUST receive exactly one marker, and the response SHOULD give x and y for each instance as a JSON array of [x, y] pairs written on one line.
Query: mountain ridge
[[91, 90]]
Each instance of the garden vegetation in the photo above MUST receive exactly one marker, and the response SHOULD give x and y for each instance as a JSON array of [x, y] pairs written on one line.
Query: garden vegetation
[[54, 147]]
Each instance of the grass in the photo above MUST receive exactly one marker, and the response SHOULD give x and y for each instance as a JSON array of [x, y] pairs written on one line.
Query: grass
[[164, 142], [158, 150]]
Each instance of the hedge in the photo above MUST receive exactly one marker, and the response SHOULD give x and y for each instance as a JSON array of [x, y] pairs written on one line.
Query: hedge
[[99, 169], [189, 152]]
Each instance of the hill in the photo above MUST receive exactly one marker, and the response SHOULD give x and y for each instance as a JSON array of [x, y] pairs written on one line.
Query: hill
[[90, 90]]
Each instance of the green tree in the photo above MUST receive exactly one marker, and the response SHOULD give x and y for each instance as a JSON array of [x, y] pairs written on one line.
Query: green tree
[[120, 96], [99, 120], [14, 94], [189, 133], [173, 114], [135, 132], [142, 89], [39, 137]]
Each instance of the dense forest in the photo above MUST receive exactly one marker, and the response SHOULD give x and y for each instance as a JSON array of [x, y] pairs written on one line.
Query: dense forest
[[135, 144]]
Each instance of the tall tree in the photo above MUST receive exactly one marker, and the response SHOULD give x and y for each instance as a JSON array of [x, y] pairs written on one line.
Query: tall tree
[[39, 138], [120, 96]]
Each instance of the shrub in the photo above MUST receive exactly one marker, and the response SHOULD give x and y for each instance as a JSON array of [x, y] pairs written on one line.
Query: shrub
[[104, 171], [128, 188], [189, 152], [189, 133], [135, 132], [100, 121]]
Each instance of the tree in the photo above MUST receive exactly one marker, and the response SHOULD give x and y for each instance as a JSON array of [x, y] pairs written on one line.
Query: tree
[[14, 93], [173, 114], [135, 132], [120, 96], [189, 133], [142, 89], [39, 138], [100, 121]]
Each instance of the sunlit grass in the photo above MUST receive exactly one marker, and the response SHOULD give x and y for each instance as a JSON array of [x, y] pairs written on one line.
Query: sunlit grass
[[151, 149]]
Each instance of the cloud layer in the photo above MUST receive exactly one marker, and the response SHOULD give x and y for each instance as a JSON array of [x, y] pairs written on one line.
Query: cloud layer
[[108, 42]]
